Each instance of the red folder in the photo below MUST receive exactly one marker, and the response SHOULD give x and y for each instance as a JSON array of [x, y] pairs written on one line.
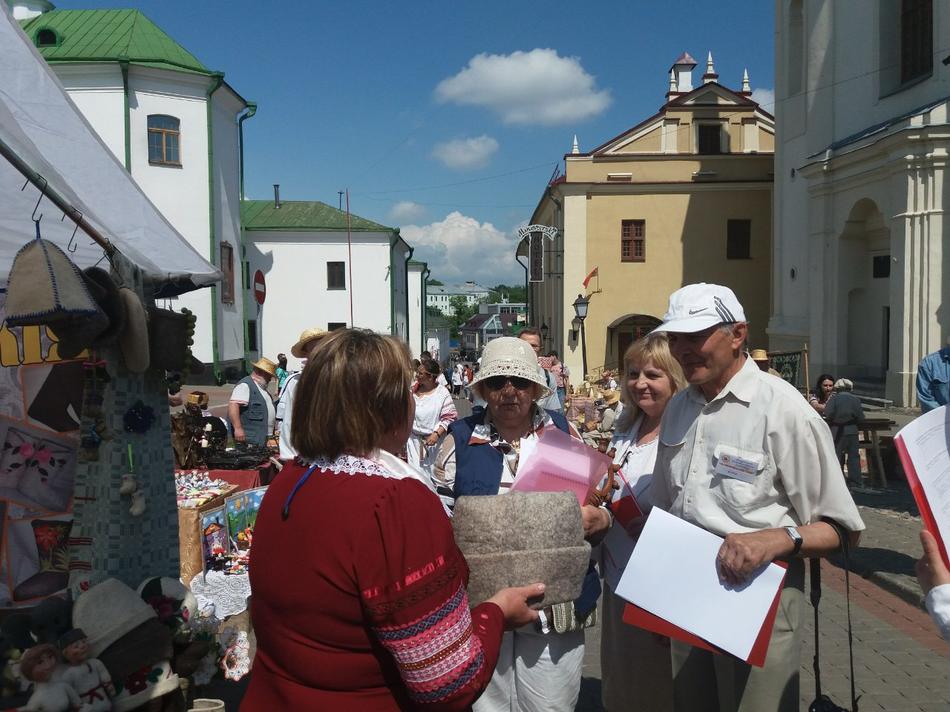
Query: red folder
[[634, 615], [920, 497]]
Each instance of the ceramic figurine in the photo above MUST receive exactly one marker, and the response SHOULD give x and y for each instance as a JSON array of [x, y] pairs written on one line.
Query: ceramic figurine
[[87, 676], [37, 666]]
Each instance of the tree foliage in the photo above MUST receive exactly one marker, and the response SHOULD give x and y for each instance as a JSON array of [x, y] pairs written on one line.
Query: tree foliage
[[514, 293]]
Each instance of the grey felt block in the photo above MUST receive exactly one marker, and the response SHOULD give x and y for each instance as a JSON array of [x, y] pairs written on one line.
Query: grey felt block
[[521, 538]]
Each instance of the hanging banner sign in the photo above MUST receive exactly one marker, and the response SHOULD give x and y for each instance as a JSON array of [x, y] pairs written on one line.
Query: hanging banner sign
[[536, 235]]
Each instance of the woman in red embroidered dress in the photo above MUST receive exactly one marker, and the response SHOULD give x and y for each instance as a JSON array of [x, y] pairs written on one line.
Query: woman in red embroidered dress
[[358, 587]]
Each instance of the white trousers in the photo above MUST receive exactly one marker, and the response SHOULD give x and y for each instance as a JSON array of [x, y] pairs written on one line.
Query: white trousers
[[535, 673]]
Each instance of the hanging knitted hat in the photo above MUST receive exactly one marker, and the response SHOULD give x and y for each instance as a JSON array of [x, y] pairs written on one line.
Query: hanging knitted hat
[[45, 288]]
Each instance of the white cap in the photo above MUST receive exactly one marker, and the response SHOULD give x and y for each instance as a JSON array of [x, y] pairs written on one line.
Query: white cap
[[696, 307]]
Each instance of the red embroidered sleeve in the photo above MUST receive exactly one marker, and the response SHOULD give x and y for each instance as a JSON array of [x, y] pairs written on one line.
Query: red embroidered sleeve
[[412, 581]]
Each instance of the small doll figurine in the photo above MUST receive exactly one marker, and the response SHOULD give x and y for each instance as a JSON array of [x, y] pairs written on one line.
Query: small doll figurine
[[37, 666], [88, 677]]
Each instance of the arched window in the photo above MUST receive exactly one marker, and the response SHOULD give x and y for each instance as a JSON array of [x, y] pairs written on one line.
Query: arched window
[[163, 140], [46, 38]]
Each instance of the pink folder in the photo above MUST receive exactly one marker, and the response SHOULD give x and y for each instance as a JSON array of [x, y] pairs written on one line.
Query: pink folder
[[561, 463]]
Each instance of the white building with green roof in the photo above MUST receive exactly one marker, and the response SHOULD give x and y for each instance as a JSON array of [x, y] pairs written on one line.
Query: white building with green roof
[[325, 272], [176, 127]]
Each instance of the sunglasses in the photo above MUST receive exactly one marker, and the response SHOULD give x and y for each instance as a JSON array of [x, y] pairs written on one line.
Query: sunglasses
[[496, 383]]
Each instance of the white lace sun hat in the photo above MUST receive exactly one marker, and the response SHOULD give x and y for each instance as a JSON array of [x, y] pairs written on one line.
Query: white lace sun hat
[[510, 356]]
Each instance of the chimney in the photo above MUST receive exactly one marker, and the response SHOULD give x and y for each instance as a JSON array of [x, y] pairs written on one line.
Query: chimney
[[683, 72], [276, 195]]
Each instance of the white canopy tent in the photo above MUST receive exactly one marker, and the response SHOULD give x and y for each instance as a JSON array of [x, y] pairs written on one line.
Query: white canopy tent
[[45, 137]]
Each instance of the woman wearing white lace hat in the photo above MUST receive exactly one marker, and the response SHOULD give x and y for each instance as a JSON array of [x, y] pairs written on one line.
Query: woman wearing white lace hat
[[539, 668]]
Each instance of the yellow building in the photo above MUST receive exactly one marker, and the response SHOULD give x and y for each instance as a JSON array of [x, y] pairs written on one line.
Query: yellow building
[[684, 196]]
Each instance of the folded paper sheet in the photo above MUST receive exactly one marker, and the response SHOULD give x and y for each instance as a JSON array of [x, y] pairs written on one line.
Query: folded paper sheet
[[560, 463], [673, 575], [923, 446]]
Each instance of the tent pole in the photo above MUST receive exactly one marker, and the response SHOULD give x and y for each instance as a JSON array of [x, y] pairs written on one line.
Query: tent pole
[[58, 200]]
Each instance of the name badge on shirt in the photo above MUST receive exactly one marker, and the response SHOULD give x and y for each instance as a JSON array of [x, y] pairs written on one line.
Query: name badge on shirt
[[737, 467]]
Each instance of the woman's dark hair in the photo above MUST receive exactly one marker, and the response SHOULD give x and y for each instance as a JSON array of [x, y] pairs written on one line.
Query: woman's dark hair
[[819, 392], [431, 366], [282, 361]]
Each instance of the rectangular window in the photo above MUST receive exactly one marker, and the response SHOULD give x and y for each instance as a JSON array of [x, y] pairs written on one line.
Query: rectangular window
[[336, 275], [633, 236], [334, 325], [739, 239], [163, 140], [917, 32], [252, 334], [709, 138], [881, 266], [227, 268]]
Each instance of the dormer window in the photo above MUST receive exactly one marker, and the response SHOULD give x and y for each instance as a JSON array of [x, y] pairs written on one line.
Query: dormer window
[[47, 38], [163, 140]]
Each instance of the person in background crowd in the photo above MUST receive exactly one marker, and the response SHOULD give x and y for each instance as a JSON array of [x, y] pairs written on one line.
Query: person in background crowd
[[824, 389], [358, 589], [934, 579], [251, 408], [562, 377], [635, 667], [933, 379], [281, 372], [549, 402], [538, 669], [761, 358], [458, 378], [435, 412], [844, 413], [781, 497], [608, 382], [603, 430], [308, 341]]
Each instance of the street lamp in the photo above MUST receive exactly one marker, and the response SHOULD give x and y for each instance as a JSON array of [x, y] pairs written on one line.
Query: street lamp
[[580, 310], [544, 334]]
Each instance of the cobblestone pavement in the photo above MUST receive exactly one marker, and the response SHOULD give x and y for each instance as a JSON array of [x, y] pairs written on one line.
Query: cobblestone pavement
[[901, 663]]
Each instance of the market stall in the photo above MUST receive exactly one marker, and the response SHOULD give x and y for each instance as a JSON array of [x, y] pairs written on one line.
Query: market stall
[[87, 493]]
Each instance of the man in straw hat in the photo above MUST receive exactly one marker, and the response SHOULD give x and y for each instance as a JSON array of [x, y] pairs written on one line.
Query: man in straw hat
[[251, 408], [308, 341], [761, 359], [778, 495]]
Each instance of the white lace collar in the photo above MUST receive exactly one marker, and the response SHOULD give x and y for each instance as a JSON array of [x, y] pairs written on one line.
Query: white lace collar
[[380, 464]]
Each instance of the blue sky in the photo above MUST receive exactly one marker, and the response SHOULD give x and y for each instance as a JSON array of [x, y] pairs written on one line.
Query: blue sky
[[448, 118]]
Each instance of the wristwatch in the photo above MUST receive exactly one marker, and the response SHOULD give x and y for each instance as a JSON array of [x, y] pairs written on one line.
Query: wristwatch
[[796, 539]]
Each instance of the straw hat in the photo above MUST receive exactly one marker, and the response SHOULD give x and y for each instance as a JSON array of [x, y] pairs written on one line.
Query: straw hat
[[759, 355], [134, 337], [265, 365], [511, 356], [299, 350], [611, 397]]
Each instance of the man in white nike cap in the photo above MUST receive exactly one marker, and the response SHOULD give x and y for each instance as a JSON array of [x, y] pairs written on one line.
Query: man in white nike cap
[[744, 456]]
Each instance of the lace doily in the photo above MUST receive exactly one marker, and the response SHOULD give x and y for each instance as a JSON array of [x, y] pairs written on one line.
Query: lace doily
[[221, 595]]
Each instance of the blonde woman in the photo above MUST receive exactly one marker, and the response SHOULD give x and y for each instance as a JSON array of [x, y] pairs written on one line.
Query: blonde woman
[[636, 668]]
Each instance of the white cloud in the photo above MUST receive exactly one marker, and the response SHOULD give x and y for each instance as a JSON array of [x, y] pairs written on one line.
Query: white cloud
[[536, 87], [459, 248], [405, 211], [466, 153], [764, 98]]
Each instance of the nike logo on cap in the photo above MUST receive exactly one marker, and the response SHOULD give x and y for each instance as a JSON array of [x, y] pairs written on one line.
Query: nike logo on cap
[[696, 311]]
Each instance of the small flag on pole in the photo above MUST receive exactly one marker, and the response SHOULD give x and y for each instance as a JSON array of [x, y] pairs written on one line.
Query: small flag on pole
[[589, 277]]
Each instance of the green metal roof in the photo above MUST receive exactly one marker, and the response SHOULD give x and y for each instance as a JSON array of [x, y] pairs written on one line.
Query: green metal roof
[[110, 35], [301, 215]]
